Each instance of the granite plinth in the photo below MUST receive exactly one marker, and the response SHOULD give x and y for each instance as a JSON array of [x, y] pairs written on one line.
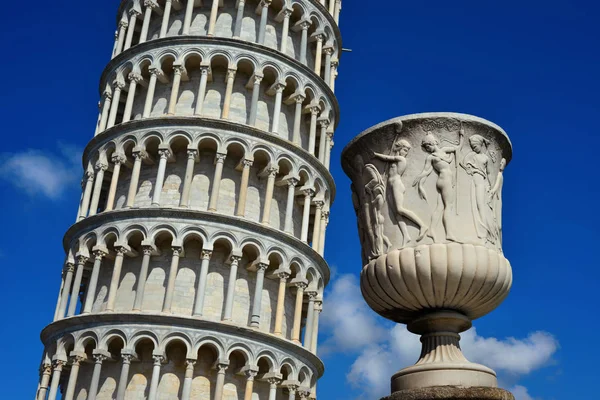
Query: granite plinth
[[452, 393]]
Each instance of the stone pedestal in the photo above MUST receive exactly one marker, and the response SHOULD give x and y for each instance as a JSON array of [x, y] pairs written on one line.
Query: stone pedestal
[[452, 393]]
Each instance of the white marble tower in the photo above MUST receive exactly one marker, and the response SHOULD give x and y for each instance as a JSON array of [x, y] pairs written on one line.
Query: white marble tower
[[195, 268]]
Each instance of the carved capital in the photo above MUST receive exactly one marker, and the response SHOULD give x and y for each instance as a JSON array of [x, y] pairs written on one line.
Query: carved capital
[[148, 250], [82, 260], [257, 79], [305, 25], [118, 158], [312, 295], [319, 204], [140, 155], [178, 69], [262, 266], [328, 51], [309, 193], [123, 24], [176, 251], [220, 158], [231, 74], [284, 276], [70, 268], [206, 254], [314, 110], [46, 369], [247, 163], [274, 381], [158, 360], [135, 77], [292, 182], [150, 3], [300, 99], [272, 172], [76, 360], [121, 250], [235, 260], [192, 154], [204, 69], [164, 153], [300, 285], [107, 95], [250, 374], [58, 365], [119, 85], [156, 72], [221, 368], [189, 364], [99, 358], [126, 358], [324, 123], [134, 13], [101, 166]]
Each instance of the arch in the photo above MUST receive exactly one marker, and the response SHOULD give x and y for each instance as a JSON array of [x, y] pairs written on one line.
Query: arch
[[85, 339], [175, 337], [143, 335], [111, 335]]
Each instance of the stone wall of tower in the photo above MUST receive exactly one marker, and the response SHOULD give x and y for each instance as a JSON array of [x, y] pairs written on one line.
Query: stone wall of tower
[[195, 268]]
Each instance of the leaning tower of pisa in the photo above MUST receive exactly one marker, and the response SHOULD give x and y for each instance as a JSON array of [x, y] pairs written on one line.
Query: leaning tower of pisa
[[195, 268]]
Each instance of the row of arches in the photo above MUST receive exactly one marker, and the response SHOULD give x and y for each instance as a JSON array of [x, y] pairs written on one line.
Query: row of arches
[[141, 364], [290, 27], [191, 272], [208, 173], [218, 84]]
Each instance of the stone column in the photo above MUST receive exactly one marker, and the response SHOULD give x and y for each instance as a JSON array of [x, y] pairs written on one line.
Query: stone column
[[149, 6], [300, 286], [199, 301], [298, 120], [317, 224], [99, 119], [227, 315], [304, 42], [292, 391], [214, 195], [121, 40], [72, 384], [117, 160], [273, 382], [202, 89], [304, 394], [250, 376], [93, 284], [315, 334], [336, 12], [152, 394], [100, 169], [124, 378], [285, 30], [308, 331], [171, 280], [327, 75], [237, 33], [46, 372], [189, 177], [155, 73], [258, 289], [222, 367], [189, 14], [116, 277], [70, 268], [133, 16], [318, 53], [334, 74], [331, 7], [312, 138], [283, 277], [289, 210], [256, 80], [308, 195], [106, 104], [98, 360], [264, 14], [178, 70], [141, 285], [112, 118], [323, 140], [213, 17], [278, 88], [241, 208], [272, 173], [187, 382], [87, 194], [228, 92], [138, 155], [81, 261], [324, 222], [160, 176], [58, 367], [166, 16], [60, 292], [328, 147]]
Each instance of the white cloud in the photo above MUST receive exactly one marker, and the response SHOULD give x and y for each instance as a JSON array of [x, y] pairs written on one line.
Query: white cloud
[[351, 323], [520, 393], [41, 172], [382, 349]]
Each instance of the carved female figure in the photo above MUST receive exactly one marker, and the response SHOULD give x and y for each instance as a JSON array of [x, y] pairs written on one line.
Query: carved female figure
[[477, 165], [375, 189], [496, 200], [440, 160], [397, 167]]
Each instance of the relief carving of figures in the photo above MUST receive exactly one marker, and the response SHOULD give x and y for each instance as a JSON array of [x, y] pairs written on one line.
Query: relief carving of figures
[[395, 170], [477, 165], [375, 191], [495, 201], [444, 161]]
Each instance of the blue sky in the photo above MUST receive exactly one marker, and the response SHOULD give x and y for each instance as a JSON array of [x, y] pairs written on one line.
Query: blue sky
[[531, 67]]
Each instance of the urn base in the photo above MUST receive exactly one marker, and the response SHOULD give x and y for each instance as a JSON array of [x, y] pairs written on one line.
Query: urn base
[[452, 393], [442, 363]]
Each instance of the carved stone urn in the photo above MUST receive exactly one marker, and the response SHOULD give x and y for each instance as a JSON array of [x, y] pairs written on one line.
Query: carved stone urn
[[427, 191]]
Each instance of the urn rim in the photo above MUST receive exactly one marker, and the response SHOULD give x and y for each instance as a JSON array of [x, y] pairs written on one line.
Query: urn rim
[[410, 117]]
